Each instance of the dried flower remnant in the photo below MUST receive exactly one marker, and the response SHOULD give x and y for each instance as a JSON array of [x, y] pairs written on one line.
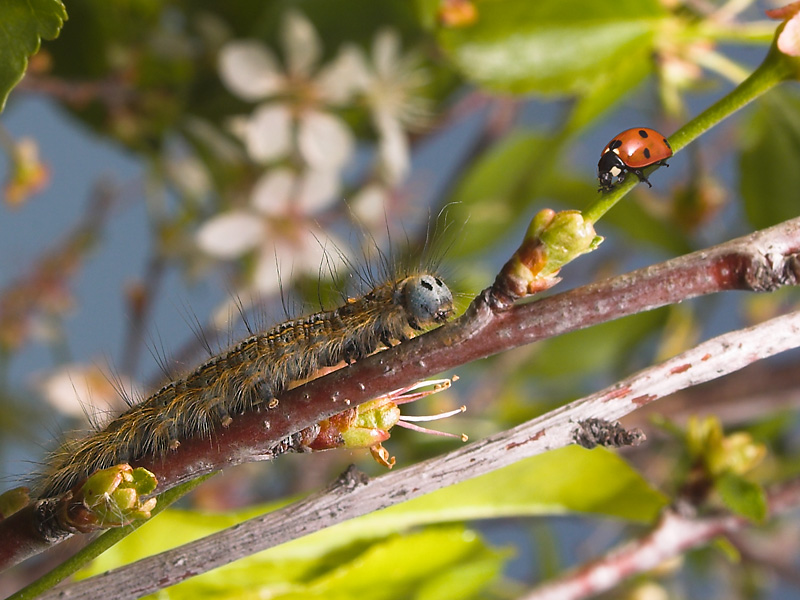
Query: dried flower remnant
[[368, 425], [28, 175]]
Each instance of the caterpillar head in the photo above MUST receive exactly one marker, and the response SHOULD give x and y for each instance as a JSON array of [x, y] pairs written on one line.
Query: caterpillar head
[[426, 300]]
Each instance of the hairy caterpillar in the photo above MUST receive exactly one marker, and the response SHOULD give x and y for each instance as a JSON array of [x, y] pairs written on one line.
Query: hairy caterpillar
[[251, 374]]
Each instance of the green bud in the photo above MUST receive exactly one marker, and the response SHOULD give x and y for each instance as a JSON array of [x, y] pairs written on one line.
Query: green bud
[[112, 498], [377, 414], [364, 437], [736, 453], [566, 236]]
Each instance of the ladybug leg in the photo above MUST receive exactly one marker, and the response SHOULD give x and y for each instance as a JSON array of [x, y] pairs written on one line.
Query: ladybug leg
[[641, 176], [663, 163]]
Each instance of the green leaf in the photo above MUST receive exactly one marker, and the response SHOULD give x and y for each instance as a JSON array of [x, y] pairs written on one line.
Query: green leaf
[[441, 562], [395, 568], [493, 195], [24, 24], [630, 69], [768, 163], [594, 349], [644, 228], [552, 46], [741, 496], [566, 480]]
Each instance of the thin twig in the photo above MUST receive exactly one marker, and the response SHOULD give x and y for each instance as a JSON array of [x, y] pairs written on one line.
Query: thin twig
[[673, 535], [761, 261], [709, 360]]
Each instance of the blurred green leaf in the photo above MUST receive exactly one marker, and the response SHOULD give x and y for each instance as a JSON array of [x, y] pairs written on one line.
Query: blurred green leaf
[[441, 562], [741, 496], [25, 23], [493, 194], [392, 568], [642, 226], [552, 46], [565, 480], [770, 179], [104, 36], [610, 85], [569, 479], [460, 580], [396, 567], [599, 348]]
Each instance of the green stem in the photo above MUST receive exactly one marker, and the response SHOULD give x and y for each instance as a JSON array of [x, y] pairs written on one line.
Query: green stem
[[103, 543], [757, 32], [775, 68]]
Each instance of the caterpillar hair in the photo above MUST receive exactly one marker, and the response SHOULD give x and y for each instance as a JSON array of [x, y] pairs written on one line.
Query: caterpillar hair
[[251, 373]]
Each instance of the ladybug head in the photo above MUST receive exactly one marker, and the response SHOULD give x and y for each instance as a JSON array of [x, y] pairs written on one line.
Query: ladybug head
[[610, 166], [606, 181]]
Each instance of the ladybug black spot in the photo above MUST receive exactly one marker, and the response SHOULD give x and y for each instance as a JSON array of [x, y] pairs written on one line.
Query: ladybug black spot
[[647, 152], [642, 133], [615, 144]]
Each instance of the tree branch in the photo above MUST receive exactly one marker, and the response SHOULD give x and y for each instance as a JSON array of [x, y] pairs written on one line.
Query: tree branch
[[761, 261], [352, 496], [673, 535]]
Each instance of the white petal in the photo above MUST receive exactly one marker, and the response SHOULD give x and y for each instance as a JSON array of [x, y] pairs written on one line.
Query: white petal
[[301, 44], [273, 192], [190, 176], [347, 75], [230, 234], [325, 141], [318, 190], [318, 252], [268, 134], [369, 205], [789, 39], [385, 52], [77, 389], [392, 148], [249, 70]]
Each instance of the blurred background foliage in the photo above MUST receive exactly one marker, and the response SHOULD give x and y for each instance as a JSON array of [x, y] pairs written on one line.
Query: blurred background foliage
[[280, 140]]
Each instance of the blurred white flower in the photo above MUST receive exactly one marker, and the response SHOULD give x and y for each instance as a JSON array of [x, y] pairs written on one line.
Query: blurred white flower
[[789, 38], [370, 206], [83, 391], [296, 98], [392, 91], [189, 175], [277, 226]]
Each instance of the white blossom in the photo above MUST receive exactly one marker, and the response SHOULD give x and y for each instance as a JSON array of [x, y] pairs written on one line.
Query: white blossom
[[391, 83], [83, 391], [278, 225], [295, 97]]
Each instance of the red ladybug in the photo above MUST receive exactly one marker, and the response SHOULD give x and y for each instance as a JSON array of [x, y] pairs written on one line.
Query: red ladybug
[[631, 151]]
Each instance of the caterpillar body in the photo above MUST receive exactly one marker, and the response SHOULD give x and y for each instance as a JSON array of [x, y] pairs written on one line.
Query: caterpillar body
[[252, 373]]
